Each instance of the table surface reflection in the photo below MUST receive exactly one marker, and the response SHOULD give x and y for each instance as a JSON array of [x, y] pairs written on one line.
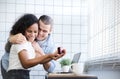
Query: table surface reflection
[[69, 76]]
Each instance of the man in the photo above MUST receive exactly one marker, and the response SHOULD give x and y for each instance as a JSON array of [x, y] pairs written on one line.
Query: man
[[44, 39]]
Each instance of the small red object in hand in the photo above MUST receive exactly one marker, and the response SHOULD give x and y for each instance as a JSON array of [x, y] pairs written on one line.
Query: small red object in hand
[[59, 50]]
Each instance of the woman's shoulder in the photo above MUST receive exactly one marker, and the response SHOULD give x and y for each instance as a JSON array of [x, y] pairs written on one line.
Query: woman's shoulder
[[27, 43]]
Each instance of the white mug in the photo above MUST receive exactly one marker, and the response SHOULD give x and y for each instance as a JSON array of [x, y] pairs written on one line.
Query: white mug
[[78, 68]]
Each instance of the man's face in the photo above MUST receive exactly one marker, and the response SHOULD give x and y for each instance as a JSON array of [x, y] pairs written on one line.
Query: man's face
[[44, 31]]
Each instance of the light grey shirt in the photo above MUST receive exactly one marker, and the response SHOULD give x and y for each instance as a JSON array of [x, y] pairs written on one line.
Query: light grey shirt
[[48, 47]]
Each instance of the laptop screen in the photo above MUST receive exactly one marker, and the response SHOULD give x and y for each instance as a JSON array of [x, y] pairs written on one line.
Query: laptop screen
[[76, 58]]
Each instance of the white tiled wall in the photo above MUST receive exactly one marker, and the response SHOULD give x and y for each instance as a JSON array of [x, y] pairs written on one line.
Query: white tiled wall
[[70, 24]]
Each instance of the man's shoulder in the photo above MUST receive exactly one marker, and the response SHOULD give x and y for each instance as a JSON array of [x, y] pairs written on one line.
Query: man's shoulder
[[50, 41]]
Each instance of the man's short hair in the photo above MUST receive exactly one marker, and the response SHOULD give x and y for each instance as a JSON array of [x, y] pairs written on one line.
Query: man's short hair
[[46, 20]]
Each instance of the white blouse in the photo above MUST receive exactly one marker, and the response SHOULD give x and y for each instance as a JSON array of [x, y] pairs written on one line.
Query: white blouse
[[14, 61]]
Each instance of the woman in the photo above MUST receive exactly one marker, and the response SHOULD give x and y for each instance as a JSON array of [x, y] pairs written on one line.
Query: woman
[[28, 54]]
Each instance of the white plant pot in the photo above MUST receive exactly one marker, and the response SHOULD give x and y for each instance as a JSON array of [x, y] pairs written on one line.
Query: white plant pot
[[65, 68]]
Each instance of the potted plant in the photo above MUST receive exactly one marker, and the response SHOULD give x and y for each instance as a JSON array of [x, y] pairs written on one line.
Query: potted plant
[[65, 64]]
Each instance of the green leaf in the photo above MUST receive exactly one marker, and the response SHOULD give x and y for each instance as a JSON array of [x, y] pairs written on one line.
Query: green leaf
[[65, 62]]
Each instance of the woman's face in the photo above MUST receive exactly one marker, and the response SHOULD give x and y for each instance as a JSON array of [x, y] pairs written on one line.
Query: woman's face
[[31, 32]]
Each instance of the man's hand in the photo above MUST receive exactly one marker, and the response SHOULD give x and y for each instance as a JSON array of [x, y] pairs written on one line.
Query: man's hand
[[56, 55], [17, 39]]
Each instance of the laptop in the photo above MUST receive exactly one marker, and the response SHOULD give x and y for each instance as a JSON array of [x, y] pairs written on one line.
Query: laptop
[[75, 59]]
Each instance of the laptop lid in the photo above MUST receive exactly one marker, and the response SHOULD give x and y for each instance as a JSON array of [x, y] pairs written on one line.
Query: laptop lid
[[76, 58]]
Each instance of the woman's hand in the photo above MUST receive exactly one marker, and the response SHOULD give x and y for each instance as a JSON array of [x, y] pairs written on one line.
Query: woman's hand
[[56, 56]]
